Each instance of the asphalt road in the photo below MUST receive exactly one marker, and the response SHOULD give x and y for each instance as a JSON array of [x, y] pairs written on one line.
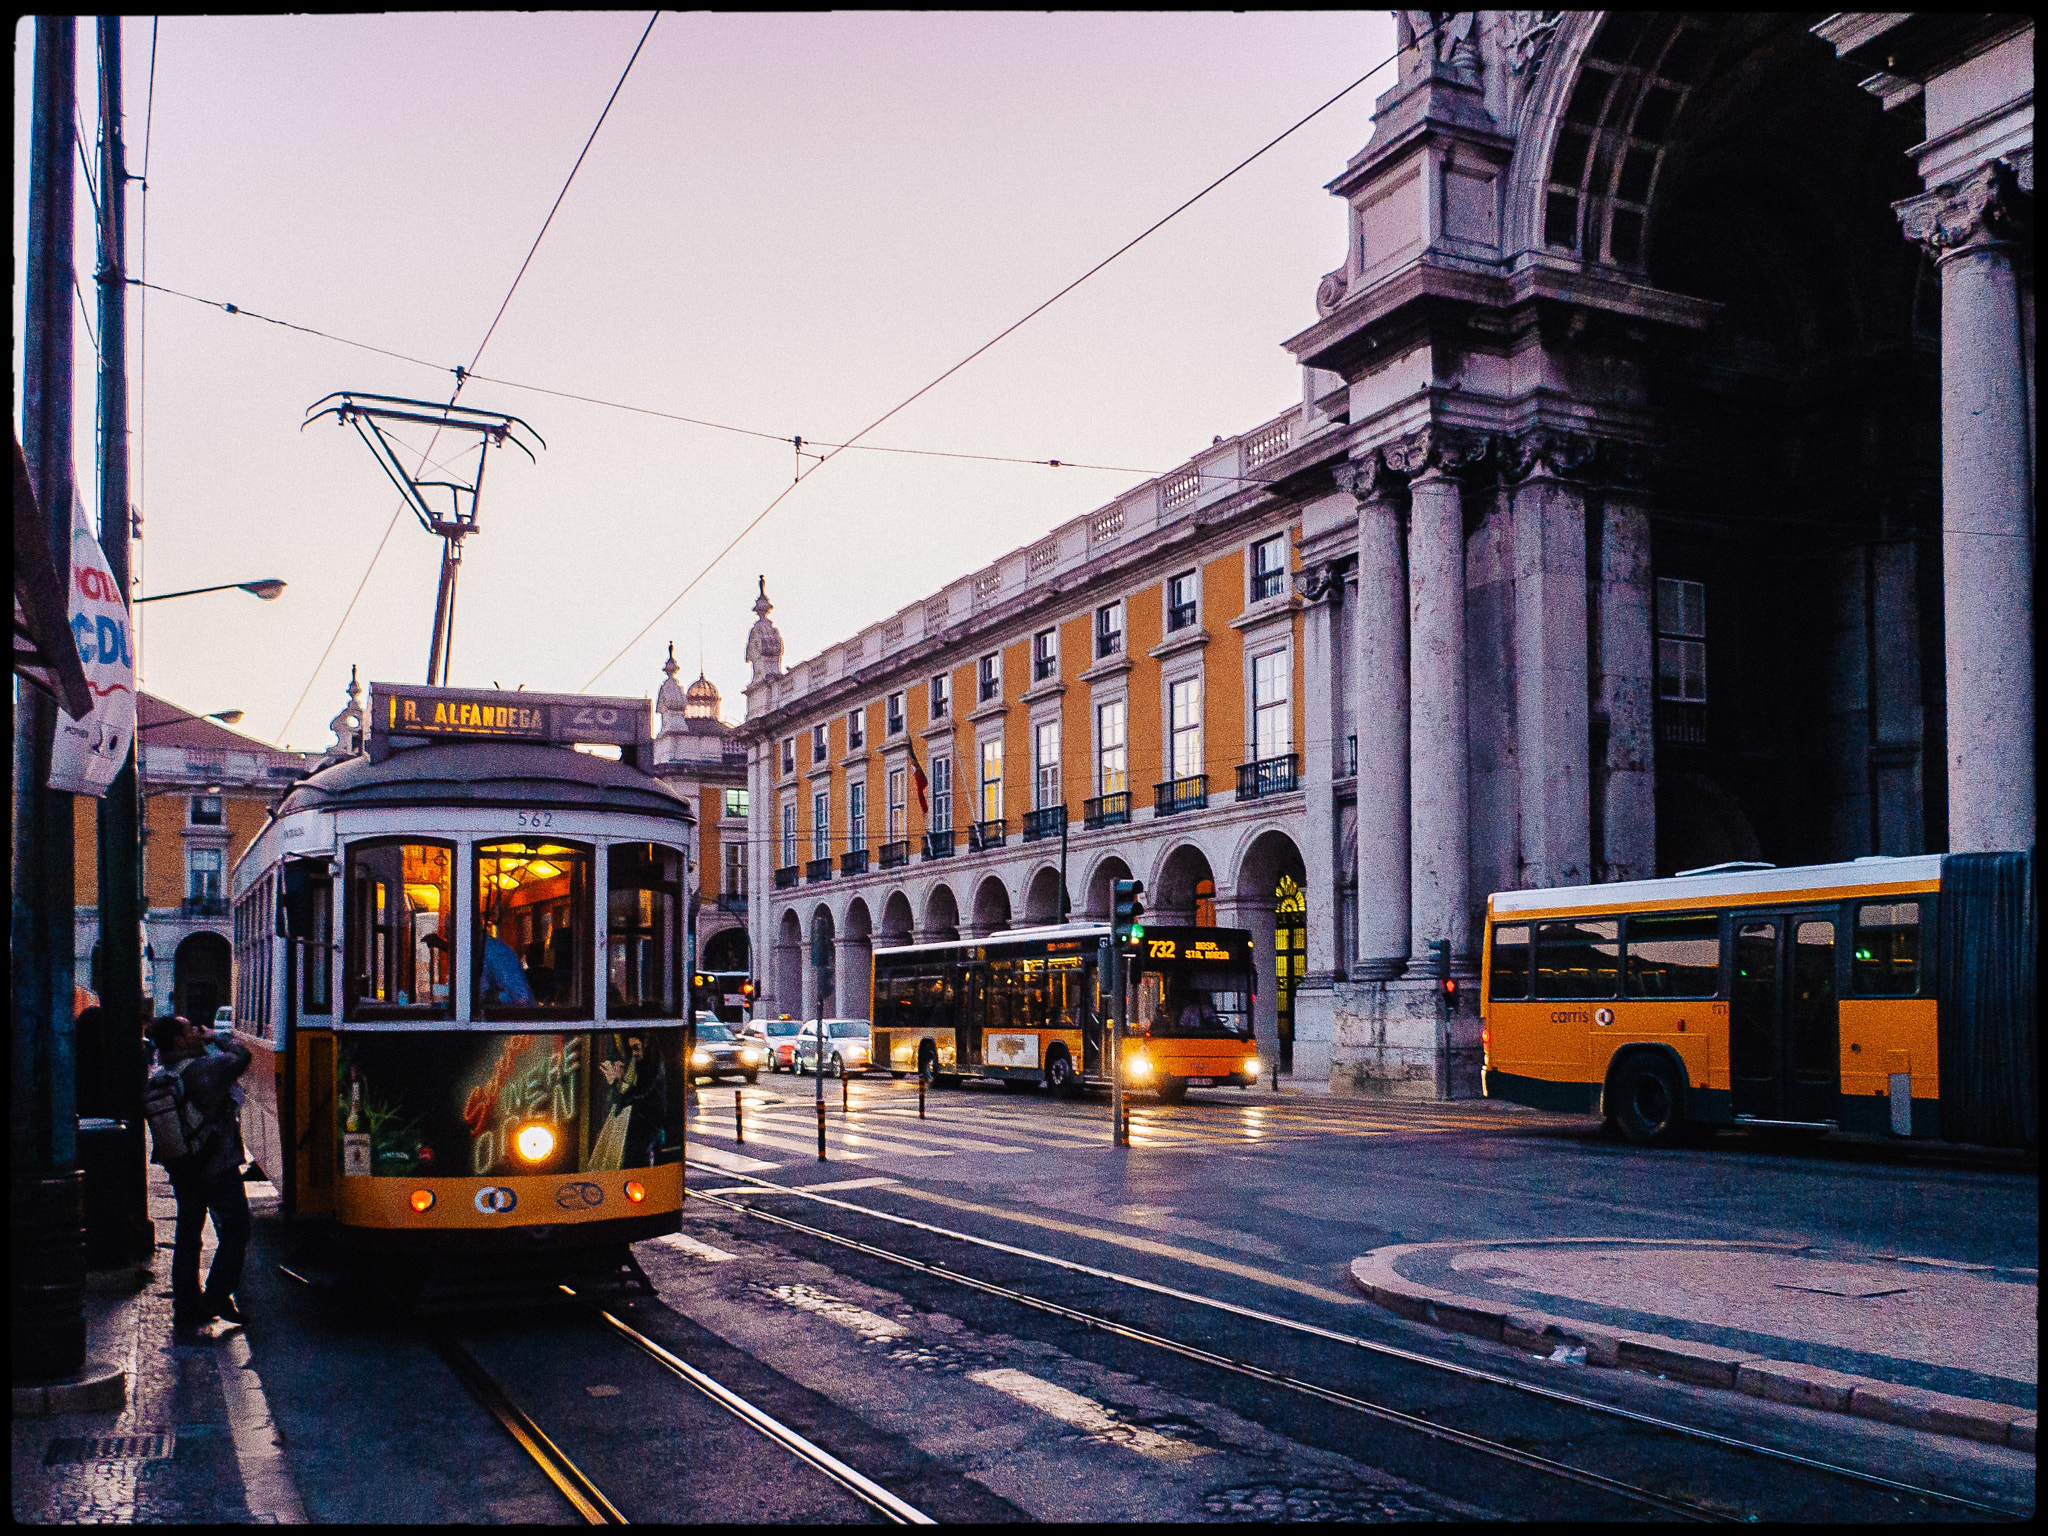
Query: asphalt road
[[971, 1405]]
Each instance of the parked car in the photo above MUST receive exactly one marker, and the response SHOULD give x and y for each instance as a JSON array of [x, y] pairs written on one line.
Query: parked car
[[778, 1038], [721, 1053], [849, 1045], [224, 1022]]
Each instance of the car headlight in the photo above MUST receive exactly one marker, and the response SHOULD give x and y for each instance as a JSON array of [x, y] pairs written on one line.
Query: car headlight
[[1251, 1067], [750, 1056], [702, 1058], [535, 1142]]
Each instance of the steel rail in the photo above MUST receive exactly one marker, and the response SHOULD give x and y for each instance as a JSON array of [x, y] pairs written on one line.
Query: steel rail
[[1371, 1346], [863, 1488], [569, 1478], [1494, 1448]]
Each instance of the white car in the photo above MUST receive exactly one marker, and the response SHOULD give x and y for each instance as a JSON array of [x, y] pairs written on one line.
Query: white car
[[849, 1046], [224, 1021]]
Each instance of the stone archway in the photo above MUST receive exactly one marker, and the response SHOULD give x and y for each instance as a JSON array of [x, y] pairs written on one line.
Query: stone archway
[[1268, 897], [1101, 883], [726, 950], [789, 965], [991, 906], [200, 972], [1042, 896], [941, 916], [1184, 891], [898, 925], [853, 961]]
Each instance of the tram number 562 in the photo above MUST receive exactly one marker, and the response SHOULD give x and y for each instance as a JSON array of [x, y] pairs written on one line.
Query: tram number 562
[[534, 819]]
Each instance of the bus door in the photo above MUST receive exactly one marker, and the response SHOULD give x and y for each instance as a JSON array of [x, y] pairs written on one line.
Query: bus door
[[1784, 1053], [970, 1015], [1091, 1006]]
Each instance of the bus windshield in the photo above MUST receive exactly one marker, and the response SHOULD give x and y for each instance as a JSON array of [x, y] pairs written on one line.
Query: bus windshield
[[1196, 1002]]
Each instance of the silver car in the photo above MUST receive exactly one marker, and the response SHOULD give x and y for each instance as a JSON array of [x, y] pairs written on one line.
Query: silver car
[[849, 1047], [720, 1053]]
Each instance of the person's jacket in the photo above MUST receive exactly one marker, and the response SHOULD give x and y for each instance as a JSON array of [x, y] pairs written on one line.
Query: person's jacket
[[209, 1080]]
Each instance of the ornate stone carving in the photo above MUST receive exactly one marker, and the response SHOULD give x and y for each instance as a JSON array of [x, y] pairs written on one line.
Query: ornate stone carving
[[1450, 450], [1449, 35], [764, 640], [1330, 291], [1363, 478], [1314, 583], [1979, 209], [1547, 451], [1529, 34]]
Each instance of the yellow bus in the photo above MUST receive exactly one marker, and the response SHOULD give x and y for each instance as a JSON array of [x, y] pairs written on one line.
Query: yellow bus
[[1885, 994]]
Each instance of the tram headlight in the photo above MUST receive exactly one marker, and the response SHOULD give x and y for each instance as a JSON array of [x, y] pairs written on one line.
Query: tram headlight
[[422, 1200], [1251, 1066], [635, 1191], [535, 1142]]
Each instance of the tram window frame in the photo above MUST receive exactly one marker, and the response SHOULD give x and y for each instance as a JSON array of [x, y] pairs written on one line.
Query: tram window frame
[[1506, 943], [581, 859], [1629, 981], [1861, 972], [663, 927], [1583, 925], [357, 930], [318, 995]]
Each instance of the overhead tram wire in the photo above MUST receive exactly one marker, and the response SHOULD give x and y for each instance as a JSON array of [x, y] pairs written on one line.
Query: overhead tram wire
[[462, 374], [1031, 315]]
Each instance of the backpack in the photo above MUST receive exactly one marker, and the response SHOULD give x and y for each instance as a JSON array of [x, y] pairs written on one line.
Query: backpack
[[178, 1129]]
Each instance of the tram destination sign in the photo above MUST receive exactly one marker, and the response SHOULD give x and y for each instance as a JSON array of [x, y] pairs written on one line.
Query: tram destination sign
[[492, 714]]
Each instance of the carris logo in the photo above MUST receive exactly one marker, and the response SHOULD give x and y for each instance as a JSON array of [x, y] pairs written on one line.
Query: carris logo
[[1603, 1016], [495, 1199], [579, 1197]]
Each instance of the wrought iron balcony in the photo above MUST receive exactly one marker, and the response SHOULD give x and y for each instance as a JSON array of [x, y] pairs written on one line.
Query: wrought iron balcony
[[854, 862], [1681, 723], [1112, 810], [733, 901], [1048, 822], [203, 906], [939, 845], [817, 869], [896, 855], [785, 878], [984, 835], [1268, 776], [1175, 795]]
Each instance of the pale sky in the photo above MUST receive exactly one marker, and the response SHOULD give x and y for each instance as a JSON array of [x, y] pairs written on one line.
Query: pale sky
[[788, 223]]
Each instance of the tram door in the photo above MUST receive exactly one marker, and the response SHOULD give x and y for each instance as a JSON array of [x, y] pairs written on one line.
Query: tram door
[[1784, 1047]]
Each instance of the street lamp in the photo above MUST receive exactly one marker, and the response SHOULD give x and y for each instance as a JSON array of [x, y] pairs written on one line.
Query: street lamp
[[224, 716], [269, 590]]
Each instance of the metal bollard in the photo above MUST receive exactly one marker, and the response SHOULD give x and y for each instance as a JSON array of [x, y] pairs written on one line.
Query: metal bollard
[[845, 1091], [920, 1095], [821, 1130], [739, 1124]]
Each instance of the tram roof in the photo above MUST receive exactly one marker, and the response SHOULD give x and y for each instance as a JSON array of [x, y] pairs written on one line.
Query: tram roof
[[487, 773]]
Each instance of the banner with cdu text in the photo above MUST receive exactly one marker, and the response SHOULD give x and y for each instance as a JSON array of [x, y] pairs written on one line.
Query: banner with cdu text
[[88, 753]]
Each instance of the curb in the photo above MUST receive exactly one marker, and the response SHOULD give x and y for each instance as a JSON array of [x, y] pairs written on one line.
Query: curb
[[1705, 1365], [96, 1389]]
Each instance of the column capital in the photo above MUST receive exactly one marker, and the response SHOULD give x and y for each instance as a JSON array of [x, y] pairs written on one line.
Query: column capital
[[1364, 478], [1318, 581], [1546, 453], [1437, 451], [1982, 209]]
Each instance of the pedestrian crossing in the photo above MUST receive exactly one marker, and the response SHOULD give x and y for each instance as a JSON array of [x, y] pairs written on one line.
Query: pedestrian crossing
[[879, 1123]]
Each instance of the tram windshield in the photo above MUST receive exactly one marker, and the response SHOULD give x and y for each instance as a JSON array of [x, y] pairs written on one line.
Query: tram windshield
[[532, 949], [643, 938], [401, 899], [1196, 1002]]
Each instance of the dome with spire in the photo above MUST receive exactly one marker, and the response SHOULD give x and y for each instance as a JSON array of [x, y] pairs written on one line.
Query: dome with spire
[[700, 699]]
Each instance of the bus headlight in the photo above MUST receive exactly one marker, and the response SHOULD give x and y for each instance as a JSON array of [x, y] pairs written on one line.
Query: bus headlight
[[1251, 1067], [535, 1142], [1140, 1067]]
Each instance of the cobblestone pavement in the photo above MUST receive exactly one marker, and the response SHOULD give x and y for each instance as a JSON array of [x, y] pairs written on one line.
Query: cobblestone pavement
[[168, 1457]]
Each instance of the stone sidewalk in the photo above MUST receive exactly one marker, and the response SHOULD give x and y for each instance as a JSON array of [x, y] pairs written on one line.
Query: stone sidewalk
[[191, 1445], [1927, 1343]]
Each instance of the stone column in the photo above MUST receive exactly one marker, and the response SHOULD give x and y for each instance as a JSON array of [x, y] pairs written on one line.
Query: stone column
[[1551, 725], [1972, 225], [1625, 690], [1256, 914], [1319, 747], [1440, 841], [1380, 638], [852, 975]]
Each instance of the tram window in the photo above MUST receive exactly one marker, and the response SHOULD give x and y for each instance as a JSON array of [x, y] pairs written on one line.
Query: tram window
[[1887, 950], [531, 954], [1578, 959], [1674, 956], [642, 936], [400, 953], [1510, 979], [319, 949]]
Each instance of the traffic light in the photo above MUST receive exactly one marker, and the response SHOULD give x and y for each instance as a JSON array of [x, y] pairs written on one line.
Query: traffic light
[[1440, 962], [1127, 913]]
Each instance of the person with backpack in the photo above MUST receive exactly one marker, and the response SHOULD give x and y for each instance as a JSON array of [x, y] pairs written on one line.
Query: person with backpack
[[196, 1134]]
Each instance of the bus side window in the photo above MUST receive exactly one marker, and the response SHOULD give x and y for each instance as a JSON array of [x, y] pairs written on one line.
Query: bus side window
[[1887, 950], [1674, 956], [1509, 981], [1578, 959]]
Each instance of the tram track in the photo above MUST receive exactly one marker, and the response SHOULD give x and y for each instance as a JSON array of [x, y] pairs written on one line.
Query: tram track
[[1642, 1497]]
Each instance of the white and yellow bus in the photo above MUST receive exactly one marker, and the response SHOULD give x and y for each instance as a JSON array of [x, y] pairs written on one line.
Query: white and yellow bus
[[1883, 994]]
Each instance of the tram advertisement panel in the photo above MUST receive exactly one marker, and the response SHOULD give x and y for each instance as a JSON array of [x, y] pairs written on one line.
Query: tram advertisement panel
[[468, 1105]]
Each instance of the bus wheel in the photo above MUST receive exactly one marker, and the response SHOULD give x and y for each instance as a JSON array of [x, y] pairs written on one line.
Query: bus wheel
[[1172, 1089], [1060, 1077], [928, 1064], [1648, 1102]]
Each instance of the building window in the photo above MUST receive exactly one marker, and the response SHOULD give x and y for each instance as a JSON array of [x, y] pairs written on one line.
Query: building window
[[898, 784], [857, 815], [1184, 715], [942, 695], [1045, 655], [1180, 601], [991, 674], [942, 794], [1272, 720], [1046, 770], [821, 743], [1681, 640], [893, 714], [735, 883], [821, 825], [1112, 756], [206, 811], [1269, 567], [1205, 903], [1109, 630], [202, 874], [856, 729], [736, 803], [789, 754], [992, 779], [788, 834]]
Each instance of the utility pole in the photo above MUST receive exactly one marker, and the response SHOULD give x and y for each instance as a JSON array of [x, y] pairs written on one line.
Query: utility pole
[[46, 1225], [133, 1239]]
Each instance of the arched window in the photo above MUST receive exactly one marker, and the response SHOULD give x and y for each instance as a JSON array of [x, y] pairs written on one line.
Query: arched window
[[1205, 903]]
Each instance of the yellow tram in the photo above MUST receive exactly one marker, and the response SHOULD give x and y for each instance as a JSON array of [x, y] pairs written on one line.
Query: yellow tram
[[462, 971], [1884, 994]]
